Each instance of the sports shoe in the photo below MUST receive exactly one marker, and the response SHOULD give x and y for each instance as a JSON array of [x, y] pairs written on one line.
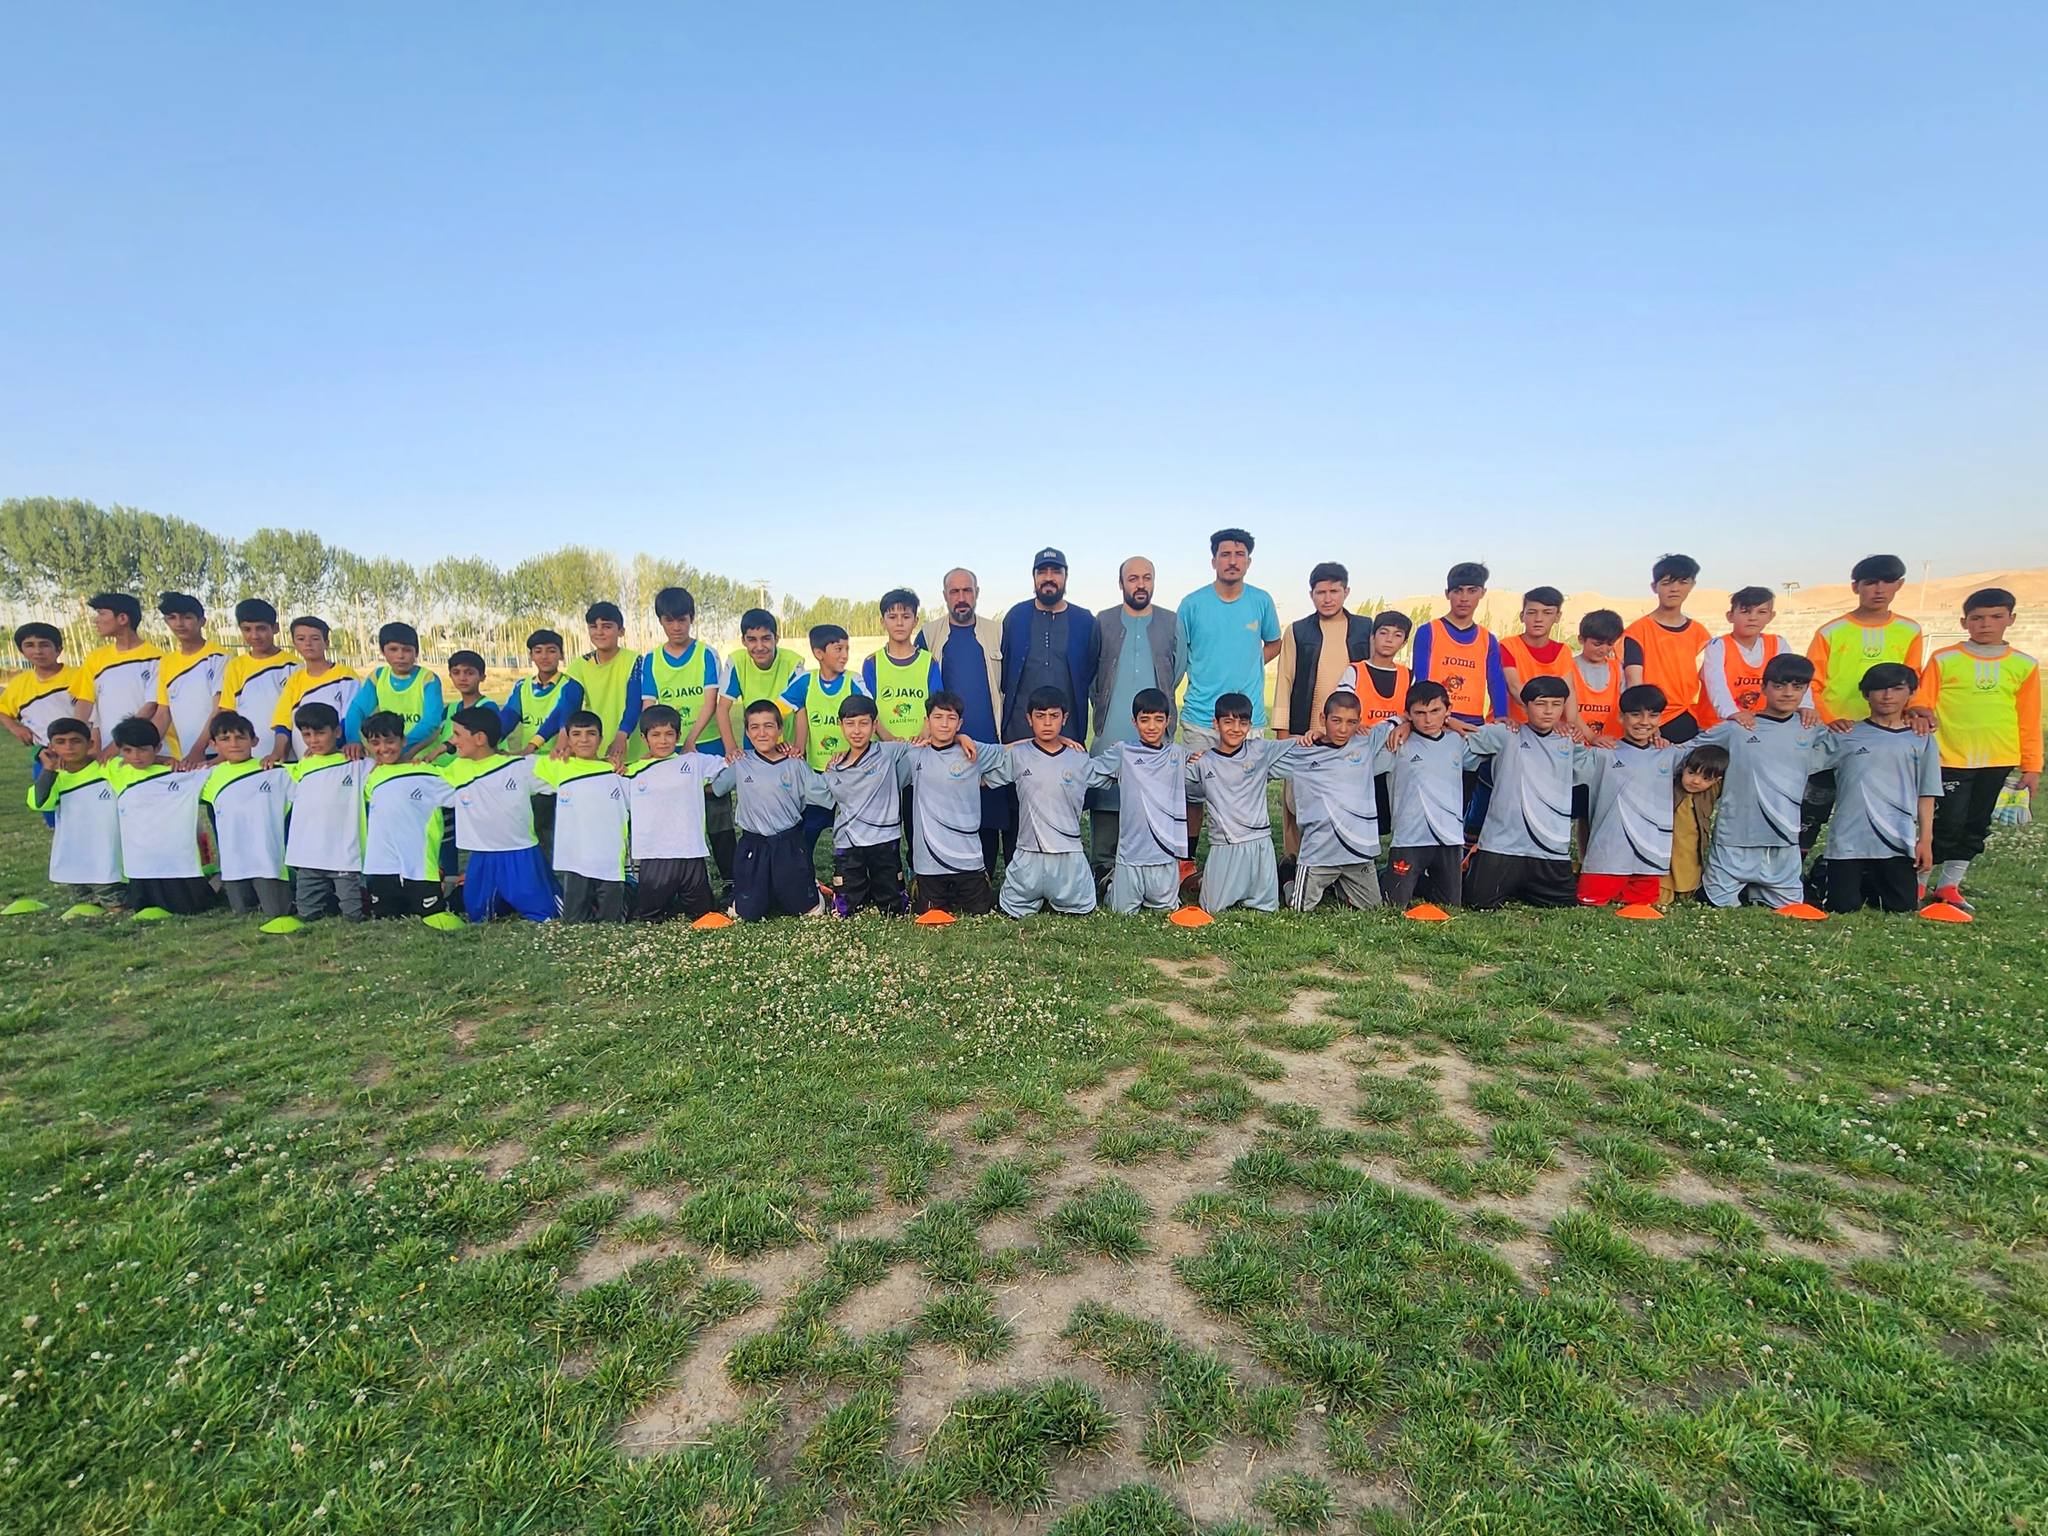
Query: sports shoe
[[1953, 895]]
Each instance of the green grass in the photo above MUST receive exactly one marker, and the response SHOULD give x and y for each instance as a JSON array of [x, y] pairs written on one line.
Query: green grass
[[1735, 1224]]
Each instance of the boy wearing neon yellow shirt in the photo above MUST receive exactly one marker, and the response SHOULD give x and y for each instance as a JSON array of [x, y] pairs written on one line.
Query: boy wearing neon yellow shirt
[[1841, 652], [533, 699], [1984, 698], [188, 681], [813, 700], [600, 680], [902, 676], [762, 669], [401, 686]]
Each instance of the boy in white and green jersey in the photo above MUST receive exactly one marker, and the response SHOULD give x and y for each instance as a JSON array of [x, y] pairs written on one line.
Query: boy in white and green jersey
[[158, 808], [188, 680], [401, 827], [666, 800], [590, 825], [404, 688], [249, 803], [494, 825], [324, 839], [85, 849]]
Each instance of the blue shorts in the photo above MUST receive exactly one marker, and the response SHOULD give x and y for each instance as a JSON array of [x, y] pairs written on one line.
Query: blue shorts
[[514, 880]]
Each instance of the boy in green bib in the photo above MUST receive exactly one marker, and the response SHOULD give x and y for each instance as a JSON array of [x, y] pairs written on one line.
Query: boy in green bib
[[600, 680], [813, 701], [761, 669], [902, 676], [402, 687]]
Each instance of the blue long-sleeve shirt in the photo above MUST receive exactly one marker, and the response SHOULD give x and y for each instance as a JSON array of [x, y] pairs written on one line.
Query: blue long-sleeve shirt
[[1496, 673], [366, 704], [571, 700]]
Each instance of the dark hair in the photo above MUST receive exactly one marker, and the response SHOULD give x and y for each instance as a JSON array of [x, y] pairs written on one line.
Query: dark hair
[[1544, 688], [384, 725], [1887, 674], [397, 633], [1751, 597], [1602, 624], [898, 597], [586, 720], [1223, 536], [1233, 706], [1788, 668], [544, 637], [1683, 567], [307, 621], [946, 699], [466, 659], [1878, 568], [117, 602], [323, 717], [1549, 597], [484, 719], [1983, 597], [652, 716], [68, 727], [1641, 699], [760, 618], [36, 629], [857, 704], [1046, 698], [763, 707], [1466, 573], [1427, 692], [1342, 698], [1150, 701], [602, 609], [228, 723], [675, 603], [1393, 618], [823, 635], [137, 732], [1328, 570], [254, 610], [1706, 758]]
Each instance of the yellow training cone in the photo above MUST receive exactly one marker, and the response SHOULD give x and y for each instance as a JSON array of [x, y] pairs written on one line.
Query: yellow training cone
[[1641, 912], [1425, 912], [713, 920], [1942, 912], [934, 918], [1190, 917]]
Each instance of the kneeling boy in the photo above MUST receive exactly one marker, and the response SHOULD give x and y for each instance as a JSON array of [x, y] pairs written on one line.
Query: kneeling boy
[[85, 850], [494, 823], [1050, 866], [248, 802], [1151, 776], [404, 810], [589, 842], [1754, 852], [323, 841], [1887, 779], [1525, 846], [946, 779], [159, 813], [1339, 811], [665, 805], [1427, 773], [867, 782], [1232, 776], [771, 786], [1628, 850]]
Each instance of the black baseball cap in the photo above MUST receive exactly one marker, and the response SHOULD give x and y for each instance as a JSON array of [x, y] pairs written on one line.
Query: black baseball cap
[[1047, 557]]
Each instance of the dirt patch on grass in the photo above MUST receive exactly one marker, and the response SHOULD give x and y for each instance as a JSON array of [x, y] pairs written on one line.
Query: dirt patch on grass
[[1194, 969], [498, 1159], [465, 1031]]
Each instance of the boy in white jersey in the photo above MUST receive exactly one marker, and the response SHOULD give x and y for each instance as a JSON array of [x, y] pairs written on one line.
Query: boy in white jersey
[[188, 680], [403, 815], [1754, 852], [158, 808], [867, 781], [118, 678], [589, 855], [946, 779], [1427, 796], [323, 841], [248, 802], [1525, 846], [40, 694], [771, 785], [1629, 786], [1339, 810], [85, 851], [1887, 778], [666, 809], [1232, 777], [315, 680], [254, 680], [504, 870], [1151, 775], [1050, 866]]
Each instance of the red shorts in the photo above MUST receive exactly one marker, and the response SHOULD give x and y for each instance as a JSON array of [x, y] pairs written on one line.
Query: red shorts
[[1630, 890]]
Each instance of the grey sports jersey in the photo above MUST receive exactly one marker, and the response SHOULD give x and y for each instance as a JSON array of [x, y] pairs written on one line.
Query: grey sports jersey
[[869, 795], [1768, 766], [1530, 814], [1234, 789], [945, 806], [770, 797], [1334, 799], [1050, 788], [1630, 790], [1428, 791], [1152, 783], [1880, 776]]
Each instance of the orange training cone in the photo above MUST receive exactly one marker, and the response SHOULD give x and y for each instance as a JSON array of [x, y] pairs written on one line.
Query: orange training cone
[[1641, 912], [713, 920], [1942, 912], [1425, 912], [1805, 911], [934, 918], [1190, 917]]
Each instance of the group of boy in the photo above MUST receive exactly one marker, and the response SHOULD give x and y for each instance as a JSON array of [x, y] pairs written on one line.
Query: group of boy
[[616, 784]]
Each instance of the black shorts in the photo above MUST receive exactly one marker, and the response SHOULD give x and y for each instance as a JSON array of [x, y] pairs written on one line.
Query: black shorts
[[869, 877], [1891, 885], [967, 894], [770, 874], [666, 887], [1495, 879], [184, 895], [396, 896], [1431, 873]]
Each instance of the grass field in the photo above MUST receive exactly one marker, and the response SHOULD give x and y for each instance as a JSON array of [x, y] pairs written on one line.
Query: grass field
[[1509, 1225]]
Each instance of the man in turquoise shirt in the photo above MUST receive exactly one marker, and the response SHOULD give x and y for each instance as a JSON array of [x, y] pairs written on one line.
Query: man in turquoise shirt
[[1228, 632]]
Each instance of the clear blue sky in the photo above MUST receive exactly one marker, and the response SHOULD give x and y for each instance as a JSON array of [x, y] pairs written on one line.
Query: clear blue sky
[[841, 295]]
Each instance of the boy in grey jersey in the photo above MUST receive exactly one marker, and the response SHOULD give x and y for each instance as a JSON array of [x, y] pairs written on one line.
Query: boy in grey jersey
[[1887, 779], [1232, 777], [867, 782], [1427, 797], [771, 787], [1631, 803], [1052, 776], [1152, 828], [1335, 802], [1525, 846], [946, 778], [1754, 850]]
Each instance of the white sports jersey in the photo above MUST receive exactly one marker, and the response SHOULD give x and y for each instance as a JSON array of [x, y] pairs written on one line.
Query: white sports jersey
[[255, 696], [159, 812], [249, 803], [1880, 776], [1768, 767], [945, 806], [590, 815], [338, 689], [86, 848], [1152, 786], [1629, 789], [665, 801], [1050, 789], [1427, 792], [122, 687], [190, 696], [325, 831], [1234, 789], [1334, 798], [494, 802], [1530, 813], [869, 795], [403, 804]]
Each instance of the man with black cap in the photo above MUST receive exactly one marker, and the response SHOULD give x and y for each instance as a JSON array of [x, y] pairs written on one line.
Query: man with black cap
[[1047, 643]]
